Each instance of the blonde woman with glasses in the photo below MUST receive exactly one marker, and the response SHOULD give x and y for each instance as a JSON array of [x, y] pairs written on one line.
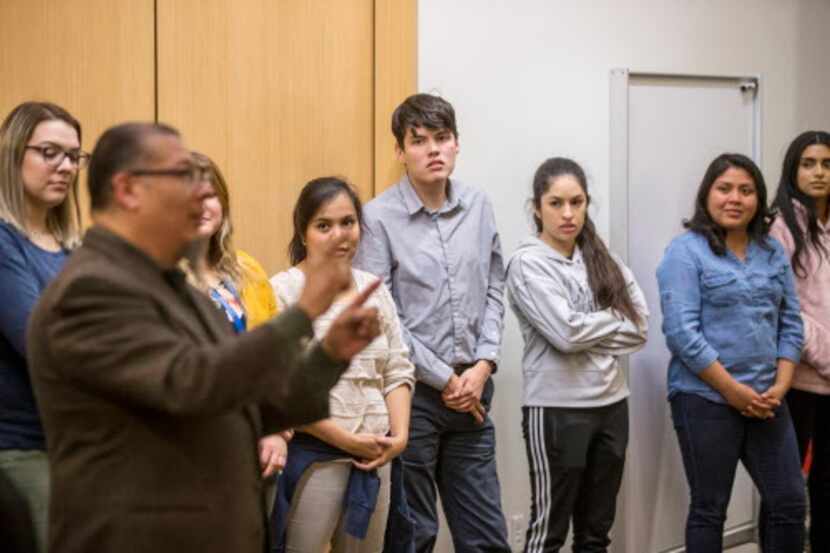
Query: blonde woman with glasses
[[40, 156]]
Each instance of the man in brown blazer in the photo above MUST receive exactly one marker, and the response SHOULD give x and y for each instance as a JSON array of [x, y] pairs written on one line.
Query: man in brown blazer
[[149, 402]]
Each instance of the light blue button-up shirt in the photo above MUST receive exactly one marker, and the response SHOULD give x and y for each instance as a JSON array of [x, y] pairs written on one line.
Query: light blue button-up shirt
[[743, 313], [445, 271]]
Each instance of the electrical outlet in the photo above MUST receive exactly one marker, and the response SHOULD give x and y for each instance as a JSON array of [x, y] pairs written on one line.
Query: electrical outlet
[[517, 532]]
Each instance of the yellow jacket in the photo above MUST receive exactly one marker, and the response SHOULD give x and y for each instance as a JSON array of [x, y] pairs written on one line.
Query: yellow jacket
[[255, 290]]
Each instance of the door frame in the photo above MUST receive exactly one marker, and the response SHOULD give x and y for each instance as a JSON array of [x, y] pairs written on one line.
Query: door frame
[[620, 82]]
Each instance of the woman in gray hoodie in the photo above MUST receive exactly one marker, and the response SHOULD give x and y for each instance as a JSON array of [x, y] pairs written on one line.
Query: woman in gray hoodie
[[579, 308]]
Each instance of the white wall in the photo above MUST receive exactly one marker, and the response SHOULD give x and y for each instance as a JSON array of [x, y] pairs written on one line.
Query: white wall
[[529, 79]]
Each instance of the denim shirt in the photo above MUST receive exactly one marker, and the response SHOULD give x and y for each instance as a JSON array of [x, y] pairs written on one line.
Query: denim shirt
[[743, 313]]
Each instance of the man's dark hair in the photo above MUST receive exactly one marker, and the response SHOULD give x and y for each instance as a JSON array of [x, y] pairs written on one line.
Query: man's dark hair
[[118, 148], [423, 110]]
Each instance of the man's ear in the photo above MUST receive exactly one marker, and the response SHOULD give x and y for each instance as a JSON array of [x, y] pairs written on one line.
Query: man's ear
[[126, 191]]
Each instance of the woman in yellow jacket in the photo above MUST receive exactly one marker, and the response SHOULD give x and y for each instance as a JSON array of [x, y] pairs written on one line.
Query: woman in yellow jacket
[[235, 282]]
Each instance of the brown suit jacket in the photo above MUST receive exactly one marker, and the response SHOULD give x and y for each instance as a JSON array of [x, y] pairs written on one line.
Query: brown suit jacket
[[148, 401]]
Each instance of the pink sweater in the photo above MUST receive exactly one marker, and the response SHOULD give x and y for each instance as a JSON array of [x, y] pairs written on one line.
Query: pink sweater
[[813, 373]]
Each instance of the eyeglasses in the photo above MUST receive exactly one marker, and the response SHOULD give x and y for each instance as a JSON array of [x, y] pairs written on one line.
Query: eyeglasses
[[192, 175], [54, 155]]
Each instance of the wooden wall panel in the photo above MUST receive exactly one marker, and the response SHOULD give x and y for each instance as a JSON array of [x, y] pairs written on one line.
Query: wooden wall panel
[[93, 57], [276, 92], [396, 77]]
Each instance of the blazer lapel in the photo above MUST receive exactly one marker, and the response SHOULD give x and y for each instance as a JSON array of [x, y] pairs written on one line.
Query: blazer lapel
[[211, 319], [218, 327]]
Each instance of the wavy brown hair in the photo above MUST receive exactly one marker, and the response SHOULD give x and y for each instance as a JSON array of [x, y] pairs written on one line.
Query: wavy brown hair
[[221, 254]]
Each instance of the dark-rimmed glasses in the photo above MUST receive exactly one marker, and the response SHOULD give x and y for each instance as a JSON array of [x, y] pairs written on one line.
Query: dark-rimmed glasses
[[192, 175], [54, 155]]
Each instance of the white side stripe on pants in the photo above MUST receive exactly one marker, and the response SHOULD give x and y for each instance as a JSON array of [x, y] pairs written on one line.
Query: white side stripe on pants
[[539, 525]]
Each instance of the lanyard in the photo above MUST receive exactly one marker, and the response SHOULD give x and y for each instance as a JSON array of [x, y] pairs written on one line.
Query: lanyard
[[234, 313]]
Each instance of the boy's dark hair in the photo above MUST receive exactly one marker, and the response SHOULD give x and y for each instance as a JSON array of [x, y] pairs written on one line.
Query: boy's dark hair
[[423, 110]]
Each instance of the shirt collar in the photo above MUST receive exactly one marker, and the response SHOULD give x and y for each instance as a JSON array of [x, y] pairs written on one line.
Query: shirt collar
[[414, 204]]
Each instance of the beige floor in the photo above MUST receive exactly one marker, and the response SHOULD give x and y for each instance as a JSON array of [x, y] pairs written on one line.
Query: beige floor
[[746, 548]]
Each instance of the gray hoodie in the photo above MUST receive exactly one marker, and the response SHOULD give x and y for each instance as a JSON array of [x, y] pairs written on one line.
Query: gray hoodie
[[570, 348]]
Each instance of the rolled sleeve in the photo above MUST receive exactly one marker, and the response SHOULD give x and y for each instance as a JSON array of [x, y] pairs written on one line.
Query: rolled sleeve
[[679, 284], [790, 327]]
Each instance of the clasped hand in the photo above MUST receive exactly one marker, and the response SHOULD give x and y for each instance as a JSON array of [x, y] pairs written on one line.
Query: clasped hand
[[463, 393], [371, 451], [752, 404]]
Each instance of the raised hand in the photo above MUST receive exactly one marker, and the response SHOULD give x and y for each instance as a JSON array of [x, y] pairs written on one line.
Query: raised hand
[[354, 328], [325, 277]]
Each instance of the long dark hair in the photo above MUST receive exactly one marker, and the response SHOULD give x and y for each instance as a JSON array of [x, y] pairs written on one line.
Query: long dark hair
[[313, 196], [788, 191], [604, 275], [702, 222]]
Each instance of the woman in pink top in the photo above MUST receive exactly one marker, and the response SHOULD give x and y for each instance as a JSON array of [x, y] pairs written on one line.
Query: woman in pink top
[[802, 227]]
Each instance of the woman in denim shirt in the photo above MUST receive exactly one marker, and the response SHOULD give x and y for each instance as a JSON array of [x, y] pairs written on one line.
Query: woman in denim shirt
[[731, 321]]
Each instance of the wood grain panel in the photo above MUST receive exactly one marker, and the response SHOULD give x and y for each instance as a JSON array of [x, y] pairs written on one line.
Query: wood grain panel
[[93, 57], [396, 77], [277, 92]]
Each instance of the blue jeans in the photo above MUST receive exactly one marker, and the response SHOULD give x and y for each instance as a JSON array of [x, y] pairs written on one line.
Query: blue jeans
[[713, 438], [448, 450]]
